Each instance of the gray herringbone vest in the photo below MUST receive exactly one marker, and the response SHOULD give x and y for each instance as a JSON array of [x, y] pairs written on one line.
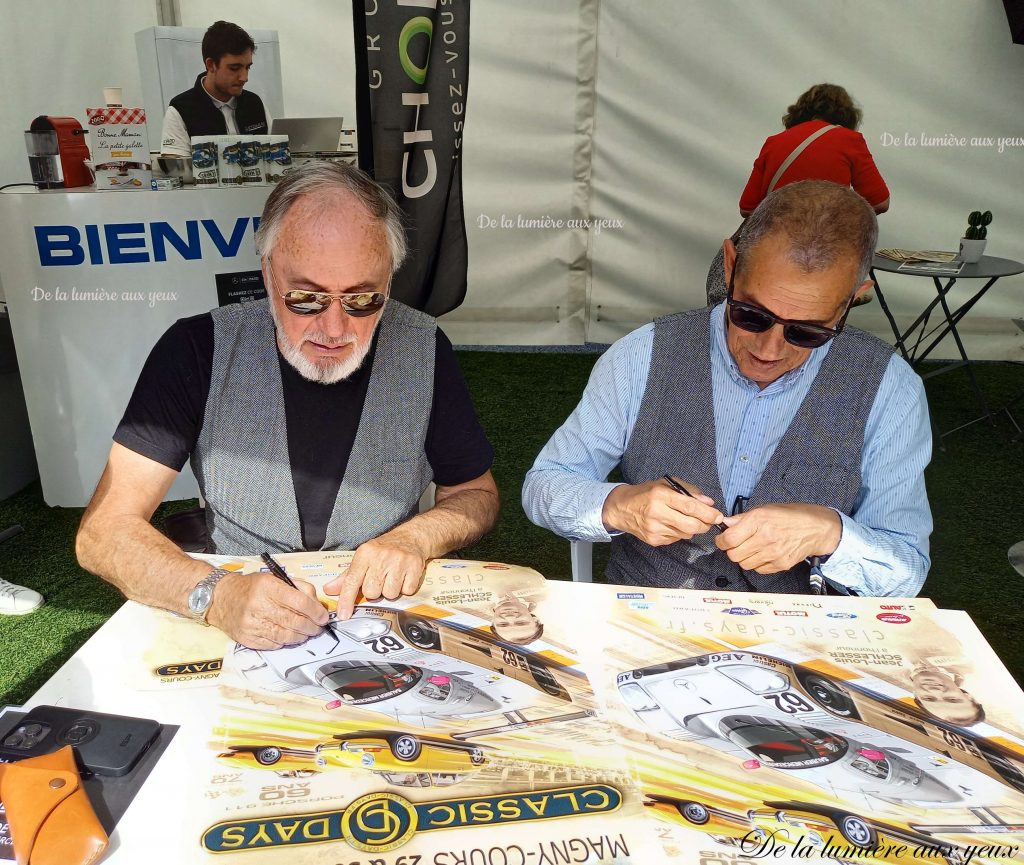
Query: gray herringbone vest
[[241, 458], [817, 460]]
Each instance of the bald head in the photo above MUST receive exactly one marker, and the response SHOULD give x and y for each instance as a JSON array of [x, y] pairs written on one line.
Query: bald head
[[821, 224], [331, 216], [322, 187]]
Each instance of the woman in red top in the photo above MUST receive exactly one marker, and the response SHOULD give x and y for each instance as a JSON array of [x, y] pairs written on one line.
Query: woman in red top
[[841, 155]]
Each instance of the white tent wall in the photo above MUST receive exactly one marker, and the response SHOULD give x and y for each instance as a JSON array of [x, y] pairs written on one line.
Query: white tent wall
[[687, 92], [644, 113], [519, 150]]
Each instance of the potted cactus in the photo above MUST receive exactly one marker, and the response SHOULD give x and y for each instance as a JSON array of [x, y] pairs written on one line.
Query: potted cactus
[[972, 244]]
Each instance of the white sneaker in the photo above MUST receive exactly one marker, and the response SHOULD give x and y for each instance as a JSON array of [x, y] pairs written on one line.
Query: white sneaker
[[17, 600]]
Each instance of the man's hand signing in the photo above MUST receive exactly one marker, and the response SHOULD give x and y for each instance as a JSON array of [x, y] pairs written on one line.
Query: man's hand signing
[[657, 514], [773, 538], [261, 612]]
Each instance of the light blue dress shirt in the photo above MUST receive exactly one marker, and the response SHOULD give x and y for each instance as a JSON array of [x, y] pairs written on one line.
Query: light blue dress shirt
[[884, 544]]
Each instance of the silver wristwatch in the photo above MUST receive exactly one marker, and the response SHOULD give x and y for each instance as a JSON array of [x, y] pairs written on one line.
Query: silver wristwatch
[[201, 597]]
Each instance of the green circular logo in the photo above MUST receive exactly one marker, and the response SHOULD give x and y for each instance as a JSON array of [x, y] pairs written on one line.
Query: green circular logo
[[378, 822], [414, 27]]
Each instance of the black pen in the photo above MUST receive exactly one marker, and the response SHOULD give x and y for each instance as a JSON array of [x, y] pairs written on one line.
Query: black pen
[[282, 575], [277, 570], [679, 488]]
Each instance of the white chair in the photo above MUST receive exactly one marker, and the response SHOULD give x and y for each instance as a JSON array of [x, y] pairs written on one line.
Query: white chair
[[582, 554], [1015, 555], [427, 499]]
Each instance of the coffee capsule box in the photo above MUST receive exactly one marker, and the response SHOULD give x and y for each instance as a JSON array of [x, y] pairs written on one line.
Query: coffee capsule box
[[250, 160], [230, 164], [277, 158], [204, 159]]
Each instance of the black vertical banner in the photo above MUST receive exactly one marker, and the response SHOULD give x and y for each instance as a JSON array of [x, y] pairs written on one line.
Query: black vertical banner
[[412, 73]]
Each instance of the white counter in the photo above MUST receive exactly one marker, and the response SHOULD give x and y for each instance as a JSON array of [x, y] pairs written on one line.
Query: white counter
[[92, 279]]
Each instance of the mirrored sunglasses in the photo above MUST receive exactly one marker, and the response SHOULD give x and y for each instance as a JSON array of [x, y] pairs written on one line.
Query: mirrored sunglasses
[[356, 304]]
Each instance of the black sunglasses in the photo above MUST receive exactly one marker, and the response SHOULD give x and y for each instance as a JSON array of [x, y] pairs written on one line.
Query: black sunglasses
[[356, 304], [803, 334]]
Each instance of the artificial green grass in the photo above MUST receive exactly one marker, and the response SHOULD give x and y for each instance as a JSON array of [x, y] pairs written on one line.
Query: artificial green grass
[[974, 487]]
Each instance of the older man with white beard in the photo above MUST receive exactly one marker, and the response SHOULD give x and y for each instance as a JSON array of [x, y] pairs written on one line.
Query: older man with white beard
[[314, 419]]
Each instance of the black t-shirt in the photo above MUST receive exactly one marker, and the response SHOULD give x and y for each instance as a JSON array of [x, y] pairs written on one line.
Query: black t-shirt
[[165, 416]]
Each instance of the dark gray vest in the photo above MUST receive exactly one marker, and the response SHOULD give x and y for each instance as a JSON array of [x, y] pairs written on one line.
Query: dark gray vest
[[817, 460], [241, 458]]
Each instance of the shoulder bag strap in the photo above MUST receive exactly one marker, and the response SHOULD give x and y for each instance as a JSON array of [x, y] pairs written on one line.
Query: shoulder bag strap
[[800, 148]]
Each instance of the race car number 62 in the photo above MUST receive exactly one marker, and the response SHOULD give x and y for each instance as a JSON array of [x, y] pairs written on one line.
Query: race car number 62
[[789, 703], [384, 645]]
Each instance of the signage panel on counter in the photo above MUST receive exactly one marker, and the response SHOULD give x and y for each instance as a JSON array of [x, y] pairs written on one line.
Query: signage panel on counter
[[91, 282], [237, 287]]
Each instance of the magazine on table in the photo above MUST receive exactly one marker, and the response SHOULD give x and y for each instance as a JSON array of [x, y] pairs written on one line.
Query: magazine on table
[[947, 267], [908, 255]]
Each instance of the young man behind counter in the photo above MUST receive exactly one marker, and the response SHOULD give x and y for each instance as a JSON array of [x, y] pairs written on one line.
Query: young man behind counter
[[218, 103]]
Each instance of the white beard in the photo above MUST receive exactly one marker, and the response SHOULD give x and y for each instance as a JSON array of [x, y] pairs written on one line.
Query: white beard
[[328, 370]]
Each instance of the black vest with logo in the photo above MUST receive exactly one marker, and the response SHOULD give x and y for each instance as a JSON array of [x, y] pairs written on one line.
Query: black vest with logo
[[202, 117]]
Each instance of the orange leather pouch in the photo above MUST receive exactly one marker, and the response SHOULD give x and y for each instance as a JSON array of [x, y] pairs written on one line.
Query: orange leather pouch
[[49, 813]]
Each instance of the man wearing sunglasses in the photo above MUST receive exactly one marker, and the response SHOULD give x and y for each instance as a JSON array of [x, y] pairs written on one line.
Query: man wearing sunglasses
[[314, 419], [762, 443]]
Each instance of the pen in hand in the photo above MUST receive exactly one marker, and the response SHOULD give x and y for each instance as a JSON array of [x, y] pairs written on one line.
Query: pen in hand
[[679, 488], [279, 572]]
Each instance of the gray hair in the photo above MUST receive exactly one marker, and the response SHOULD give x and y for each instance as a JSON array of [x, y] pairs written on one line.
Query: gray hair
[[823, 222], [320, 177]]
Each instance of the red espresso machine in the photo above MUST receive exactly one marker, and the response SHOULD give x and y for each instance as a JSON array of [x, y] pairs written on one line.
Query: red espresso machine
[[57, 153]]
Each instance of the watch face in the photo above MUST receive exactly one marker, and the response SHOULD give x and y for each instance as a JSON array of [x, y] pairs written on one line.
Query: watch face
[[200, 598]]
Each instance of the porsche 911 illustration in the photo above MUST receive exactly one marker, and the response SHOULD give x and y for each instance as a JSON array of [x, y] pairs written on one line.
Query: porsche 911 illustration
[[821, 825], [396, 753], [848, 698], [749, 709], [284, 760], [838, 835], [695, 811], [362, 662]]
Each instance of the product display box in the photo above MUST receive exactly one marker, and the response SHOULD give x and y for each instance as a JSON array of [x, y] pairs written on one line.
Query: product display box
[[120, 148]]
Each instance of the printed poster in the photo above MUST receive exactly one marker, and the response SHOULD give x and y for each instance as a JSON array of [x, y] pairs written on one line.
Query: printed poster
[[456, 726], [499, 718], [786, 727]]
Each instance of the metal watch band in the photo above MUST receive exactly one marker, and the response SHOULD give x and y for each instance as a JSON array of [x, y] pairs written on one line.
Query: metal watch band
[[209, 582]]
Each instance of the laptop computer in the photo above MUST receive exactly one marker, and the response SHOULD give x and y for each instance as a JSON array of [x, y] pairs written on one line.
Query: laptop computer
[[309, 134]]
